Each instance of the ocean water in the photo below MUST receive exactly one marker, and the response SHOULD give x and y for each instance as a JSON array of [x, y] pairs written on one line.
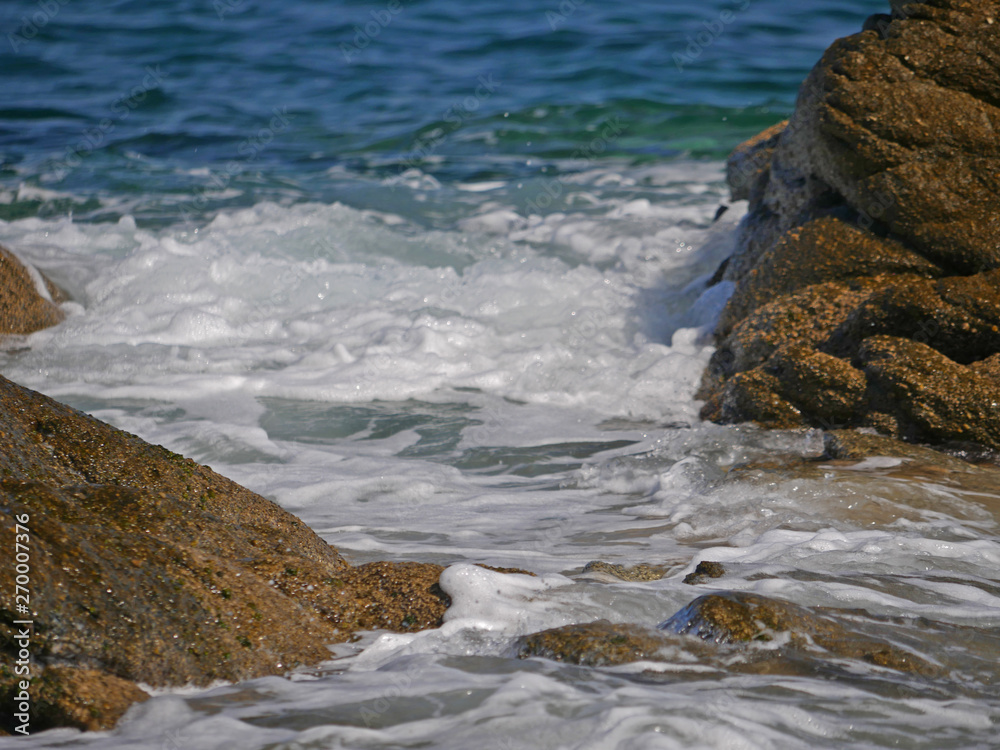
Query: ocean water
[[432, 275]]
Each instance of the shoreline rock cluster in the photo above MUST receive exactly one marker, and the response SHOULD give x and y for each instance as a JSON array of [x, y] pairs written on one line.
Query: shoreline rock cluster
[[867, 294], [149, 568], [867, 272]]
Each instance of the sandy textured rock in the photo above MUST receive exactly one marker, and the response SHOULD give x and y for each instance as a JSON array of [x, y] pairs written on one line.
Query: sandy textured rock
[[146, 566], [751, 160], [875, 217], [68, 697], [802, 257], [22, 309], [928, 395]]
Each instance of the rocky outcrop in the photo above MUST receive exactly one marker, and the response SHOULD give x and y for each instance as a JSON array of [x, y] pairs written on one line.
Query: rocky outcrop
[[867, 274], [23, 308], [144, 566]]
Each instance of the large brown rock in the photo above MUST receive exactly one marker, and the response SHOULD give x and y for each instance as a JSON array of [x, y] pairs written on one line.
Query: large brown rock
[[147, 567], [22, 309], [873, 216]]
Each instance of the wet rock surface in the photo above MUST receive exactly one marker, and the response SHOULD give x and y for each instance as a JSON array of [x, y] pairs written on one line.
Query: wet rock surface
[[705, 571], [853, 445], [732, 617], [724, 631], [595, 644], [148, 567], [87, 699], [22, 309], [867, 273], [605, 571]]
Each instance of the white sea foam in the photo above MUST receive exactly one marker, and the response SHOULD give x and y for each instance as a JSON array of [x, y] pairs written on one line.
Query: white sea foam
[[326, 303], [515, 390]]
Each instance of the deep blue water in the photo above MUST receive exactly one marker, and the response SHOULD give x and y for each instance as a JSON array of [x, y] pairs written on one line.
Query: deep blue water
[[159, 109]]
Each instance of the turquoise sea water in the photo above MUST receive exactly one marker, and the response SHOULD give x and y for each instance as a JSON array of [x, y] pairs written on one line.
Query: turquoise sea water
[[432, 275], [136, 106]]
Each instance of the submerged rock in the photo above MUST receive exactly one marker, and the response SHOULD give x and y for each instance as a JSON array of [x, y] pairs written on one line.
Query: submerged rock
[[732, 617], [595, 644], [867, 274], [705, 571], [854, 444], [23, 306], [729, 626], [605, 571], [145, 566]]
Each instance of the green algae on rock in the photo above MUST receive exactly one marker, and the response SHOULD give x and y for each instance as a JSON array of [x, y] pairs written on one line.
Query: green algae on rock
[[867, 271], [148, 567]]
